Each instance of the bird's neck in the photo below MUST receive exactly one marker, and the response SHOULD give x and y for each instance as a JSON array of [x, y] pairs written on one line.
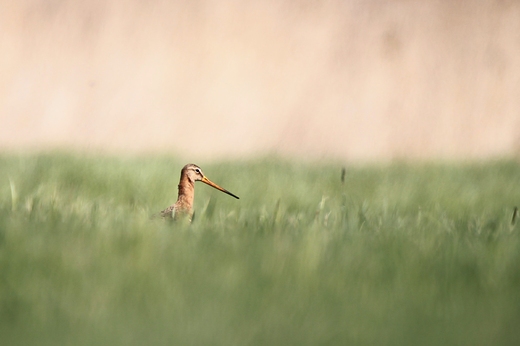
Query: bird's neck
[[186, 193]]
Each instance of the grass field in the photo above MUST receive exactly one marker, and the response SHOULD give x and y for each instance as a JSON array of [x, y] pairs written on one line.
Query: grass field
[[398, 254]]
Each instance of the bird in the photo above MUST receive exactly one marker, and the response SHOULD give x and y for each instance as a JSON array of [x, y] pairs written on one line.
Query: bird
[[183, 208]]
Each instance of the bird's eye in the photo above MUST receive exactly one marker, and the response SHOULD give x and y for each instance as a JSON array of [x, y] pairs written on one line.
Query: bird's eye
[[197, 170]]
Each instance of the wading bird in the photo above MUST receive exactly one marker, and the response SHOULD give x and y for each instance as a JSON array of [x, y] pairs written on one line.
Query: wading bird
[[184, 206]]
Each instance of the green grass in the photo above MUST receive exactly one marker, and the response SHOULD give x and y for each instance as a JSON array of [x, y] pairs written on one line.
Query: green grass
[[399, 254]]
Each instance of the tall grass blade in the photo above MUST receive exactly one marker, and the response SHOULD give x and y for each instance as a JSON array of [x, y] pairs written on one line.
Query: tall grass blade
[[14, 195]]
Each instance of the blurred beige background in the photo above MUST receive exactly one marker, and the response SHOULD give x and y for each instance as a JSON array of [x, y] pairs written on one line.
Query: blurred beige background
[[351, 79]]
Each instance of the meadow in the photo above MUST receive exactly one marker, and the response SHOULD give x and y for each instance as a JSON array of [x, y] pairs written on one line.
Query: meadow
[[396, 254]]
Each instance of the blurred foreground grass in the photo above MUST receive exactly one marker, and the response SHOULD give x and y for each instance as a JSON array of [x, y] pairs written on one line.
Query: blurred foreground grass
[[399, 254]]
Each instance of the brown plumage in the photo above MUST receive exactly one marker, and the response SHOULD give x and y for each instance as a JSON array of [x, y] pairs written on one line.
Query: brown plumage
[[184, 205]]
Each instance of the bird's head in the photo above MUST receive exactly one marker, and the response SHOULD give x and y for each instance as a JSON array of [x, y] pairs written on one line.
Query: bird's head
[[194, 173]]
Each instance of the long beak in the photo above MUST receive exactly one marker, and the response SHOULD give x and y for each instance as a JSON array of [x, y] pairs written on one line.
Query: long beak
[[212, 184]]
